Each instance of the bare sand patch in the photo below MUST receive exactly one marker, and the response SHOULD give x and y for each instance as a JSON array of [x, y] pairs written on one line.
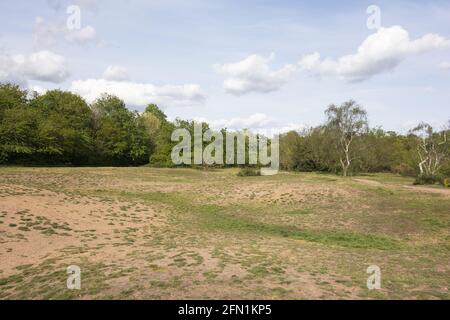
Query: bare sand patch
[[369, 182], [39, 224], [275, 192], [442, 191]]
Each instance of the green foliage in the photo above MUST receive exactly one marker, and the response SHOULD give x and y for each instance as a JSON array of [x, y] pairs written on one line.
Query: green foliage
[[383, 152], [249, 172], [18, 133], [161, 156], [157, 112], [15, 122], [60, 128], [432, 148], [310, 150], [446, 182], [315, 149], [11, 96], [63, 127], [119, 136], [404, 170], [427, 179], [347, 124]]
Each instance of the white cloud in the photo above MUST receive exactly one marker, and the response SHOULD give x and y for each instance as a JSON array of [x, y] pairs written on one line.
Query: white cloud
[[41, 66], [82, 35], [116, 73], [253, 74], [258, 123], [47, 34], [257, 120], [444, 65], [40, 90], [63, 4], [139, 94], [7, 73], [380, 52]]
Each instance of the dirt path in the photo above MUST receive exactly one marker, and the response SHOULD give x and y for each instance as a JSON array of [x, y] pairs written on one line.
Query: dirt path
[[369, 182]]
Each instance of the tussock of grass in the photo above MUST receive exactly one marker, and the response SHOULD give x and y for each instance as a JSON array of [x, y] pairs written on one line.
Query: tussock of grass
[[214, 217], [223, 222], [216, 235]]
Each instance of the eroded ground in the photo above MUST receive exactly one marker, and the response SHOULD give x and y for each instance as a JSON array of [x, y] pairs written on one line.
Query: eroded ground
[[143, 233]]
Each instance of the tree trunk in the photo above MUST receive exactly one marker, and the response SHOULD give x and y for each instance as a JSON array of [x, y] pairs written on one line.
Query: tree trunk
[[344, 167], [344, 171]]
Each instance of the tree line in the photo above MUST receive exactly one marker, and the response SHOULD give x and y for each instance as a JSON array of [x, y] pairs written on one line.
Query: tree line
[[60, 128]]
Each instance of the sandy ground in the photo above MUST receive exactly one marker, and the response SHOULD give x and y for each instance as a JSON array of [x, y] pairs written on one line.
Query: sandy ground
[[135, 248]]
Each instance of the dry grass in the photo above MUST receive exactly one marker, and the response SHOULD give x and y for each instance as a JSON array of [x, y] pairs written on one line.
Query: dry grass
[[189, 234]]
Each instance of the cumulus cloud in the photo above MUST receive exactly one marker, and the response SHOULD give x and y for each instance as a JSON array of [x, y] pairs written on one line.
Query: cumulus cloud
[[47, 34], [38, 89], [380, 52], [63, 4], [444, 65], [253, 74], [82, 35], [258, 123], [257, 120], [41, 66], [116, 73], [139, 94], [7, 73]]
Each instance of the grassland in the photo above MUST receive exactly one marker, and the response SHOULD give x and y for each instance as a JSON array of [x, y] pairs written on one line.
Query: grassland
[[144, 233]]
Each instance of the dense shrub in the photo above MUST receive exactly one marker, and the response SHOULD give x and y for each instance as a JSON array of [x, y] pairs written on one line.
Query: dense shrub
[[446, 182], [404, 170], [249, 172], [427, 179], [445, 170]]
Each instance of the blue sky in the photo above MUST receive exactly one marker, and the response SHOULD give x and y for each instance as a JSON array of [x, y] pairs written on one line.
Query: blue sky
[[238, 63]]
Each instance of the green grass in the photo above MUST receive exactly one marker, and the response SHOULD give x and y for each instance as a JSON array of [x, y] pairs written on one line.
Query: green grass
[[213, 218], [217, 235], [221, 222]]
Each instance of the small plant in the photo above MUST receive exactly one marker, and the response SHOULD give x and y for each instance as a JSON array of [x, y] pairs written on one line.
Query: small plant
[[427, 179], [446, 182], [249, 172]]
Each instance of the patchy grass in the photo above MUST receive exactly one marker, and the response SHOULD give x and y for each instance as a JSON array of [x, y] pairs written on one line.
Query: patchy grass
[[146, 233], [218, 221]]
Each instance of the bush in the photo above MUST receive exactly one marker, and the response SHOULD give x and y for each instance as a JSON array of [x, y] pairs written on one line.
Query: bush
[[3, 157], [427, 179], [249, 172], [446, 182], [445, 170], [404, 170]]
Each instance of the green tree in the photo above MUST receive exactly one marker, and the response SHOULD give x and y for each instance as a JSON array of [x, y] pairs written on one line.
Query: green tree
[[432, 149], [11, 96], [19, 138], [347, 121], [14, 122], [153, 119], [64, 130], [119, 135], [160, 130]]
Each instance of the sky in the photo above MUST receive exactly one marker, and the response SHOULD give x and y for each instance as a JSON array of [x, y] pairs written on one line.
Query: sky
[[263, 65]]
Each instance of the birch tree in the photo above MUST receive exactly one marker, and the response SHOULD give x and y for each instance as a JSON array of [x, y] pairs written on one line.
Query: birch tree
[[348, 121], [431, 148]]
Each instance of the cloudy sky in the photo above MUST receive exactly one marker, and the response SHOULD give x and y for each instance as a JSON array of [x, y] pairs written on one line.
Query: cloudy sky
[[257, 64]]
